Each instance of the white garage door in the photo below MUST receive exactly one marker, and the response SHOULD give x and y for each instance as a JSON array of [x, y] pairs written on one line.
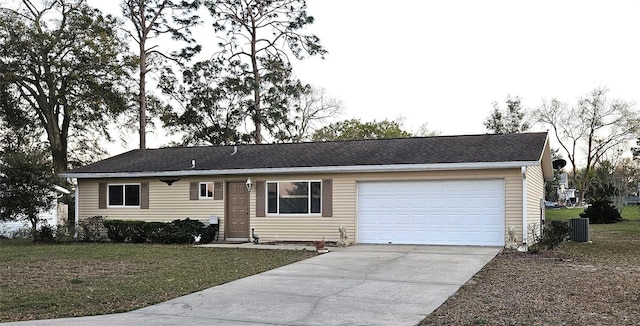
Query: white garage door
[[461, 212]]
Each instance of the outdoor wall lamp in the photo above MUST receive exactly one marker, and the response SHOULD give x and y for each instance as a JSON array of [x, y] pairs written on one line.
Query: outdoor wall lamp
[[249, 184]]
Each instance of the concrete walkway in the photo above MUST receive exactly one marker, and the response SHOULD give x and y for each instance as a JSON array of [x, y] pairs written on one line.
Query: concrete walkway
[[358, 285]]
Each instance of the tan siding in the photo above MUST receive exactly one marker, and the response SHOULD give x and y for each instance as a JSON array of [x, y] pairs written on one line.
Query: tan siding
[[345, 196], [170, 202], [513, 204], [309, 228], [166, 203], [535, 193]]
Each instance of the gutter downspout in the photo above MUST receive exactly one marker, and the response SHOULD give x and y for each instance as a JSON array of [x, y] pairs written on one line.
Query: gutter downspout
[[76, 209], [523, 170]]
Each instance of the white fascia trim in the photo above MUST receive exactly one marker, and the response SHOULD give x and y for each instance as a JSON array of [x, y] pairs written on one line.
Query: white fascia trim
[[310, 169]]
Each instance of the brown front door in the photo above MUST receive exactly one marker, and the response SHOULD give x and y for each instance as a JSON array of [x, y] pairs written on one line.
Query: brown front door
[[237, 223]]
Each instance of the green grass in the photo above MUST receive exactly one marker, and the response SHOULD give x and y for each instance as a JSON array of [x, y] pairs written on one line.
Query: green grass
[[39, 281], [628, 213], [631, 213], [609, 242], [562, 214]]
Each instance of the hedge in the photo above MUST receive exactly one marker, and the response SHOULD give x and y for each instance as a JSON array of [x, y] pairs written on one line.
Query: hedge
[[177, 231]]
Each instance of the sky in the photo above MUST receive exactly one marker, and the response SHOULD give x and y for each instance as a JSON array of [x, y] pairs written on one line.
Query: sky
[[445, 62]]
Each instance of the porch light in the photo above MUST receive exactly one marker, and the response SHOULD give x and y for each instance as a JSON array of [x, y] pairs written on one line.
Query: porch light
[[249, 184]]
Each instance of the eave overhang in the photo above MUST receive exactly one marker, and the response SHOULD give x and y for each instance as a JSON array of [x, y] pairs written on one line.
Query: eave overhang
[[307, 170]]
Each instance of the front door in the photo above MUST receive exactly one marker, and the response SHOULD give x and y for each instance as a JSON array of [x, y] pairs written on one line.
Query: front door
[[237, 223]]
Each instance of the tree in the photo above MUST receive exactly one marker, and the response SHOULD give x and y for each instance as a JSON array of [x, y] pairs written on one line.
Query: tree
[[16, 129], [313, 107], [62, 61], [627, 175], [355, 129], [589, 130], [551, 186], [509, 120], [212, 106], [26, 175], [613, 181], [259, 36], [425, 131], [152, 19], [27, 182], [602, 185]]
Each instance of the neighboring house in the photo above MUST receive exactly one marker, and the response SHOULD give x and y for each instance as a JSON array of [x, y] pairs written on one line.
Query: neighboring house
[[55, 216], [446, 190], [632, 200]]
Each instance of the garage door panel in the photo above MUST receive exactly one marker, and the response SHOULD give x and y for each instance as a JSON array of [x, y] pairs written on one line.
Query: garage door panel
[[419, 204], [462, 212], [455, 203], [383, 202], [368, 204], [475, 202], [466, 222], [494, 205]]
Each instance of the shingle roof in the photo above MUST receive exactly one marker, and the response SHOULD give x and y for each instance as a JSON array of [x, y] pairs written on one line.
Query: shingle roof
[[425, 150]]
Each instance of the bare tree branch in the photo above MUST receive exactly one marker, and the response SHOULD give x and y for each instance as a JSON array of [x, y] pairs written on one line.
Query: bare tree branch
[[589, 130]]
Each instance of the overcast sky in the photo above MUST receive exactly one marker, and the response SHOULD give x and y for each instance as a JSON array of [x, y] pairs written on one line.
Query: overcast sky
[[445, 62]]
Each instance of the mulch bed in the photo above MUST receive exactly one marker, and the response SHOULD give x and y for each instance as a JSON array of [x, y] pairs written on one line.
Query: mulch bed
[[549, 288]]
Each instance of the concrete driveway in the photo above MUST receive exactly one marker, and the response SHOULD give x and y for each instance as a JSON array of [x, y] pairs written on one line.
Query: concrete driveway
[[358, 285]]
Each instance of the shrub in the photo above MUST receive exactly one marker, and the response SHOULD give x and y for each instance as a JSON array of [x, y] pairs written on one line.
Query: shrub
[[45, 233], [555, 233], [91, 229], [182, 231], [177, 231], [138, 231], [155, 231], [129, 231], [65, 232], [117, 230], [207, 234], [601, 211]]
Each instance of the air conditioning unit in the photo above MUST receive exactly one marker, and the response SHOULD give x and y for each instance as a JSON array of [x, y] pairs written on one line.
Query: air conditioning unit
[[579, 229]]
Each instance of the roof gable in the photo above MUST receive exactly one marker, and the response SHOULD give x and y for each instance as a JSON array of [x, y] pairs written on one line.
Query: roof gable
[[525, 147]]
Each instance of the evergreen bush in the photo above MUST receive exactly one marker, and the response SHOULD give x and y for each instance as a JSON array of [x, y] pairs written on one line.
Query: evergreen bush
[[46, 233], [117, 230], [177, 231], [555, 233], [138, 232], [601, 211], [91, 229]]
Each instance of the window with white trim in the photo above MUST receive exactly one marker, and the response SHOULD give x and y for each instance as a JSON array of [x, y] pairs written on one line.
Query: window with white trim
[[294, 197], [206, 190], [123, 195]]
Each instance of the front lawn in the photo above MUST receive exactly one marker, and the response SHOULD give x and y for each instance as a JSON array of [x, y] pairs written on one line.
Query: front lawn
[[579, 284], [61, 280]]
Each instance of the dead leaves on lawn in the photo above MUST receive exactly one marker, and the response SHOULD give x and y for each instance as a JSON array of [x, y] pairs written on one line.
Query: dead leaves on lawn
[[581, 284]]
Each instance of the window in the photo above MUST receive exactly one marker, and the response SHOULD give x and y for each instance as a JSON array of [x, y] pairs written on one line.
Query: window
[[299, 197], [124, 195], [206, 190]]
